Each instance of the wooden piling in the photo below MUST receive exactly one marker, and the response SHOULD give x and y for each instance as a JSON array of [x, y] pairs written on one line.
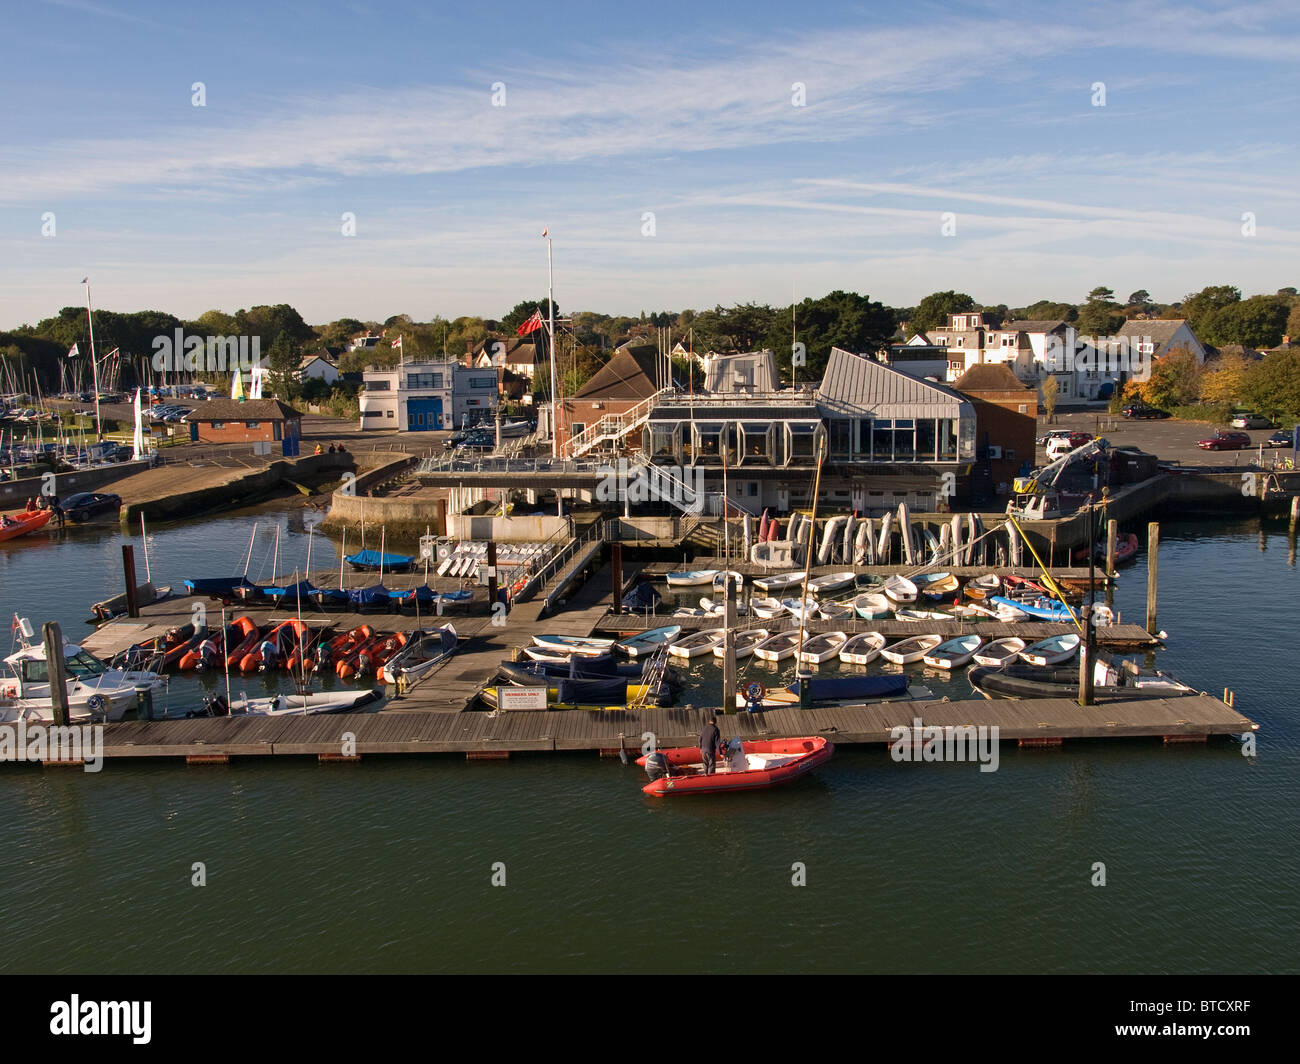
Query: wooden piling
[[729, 647], [442, 517], [1086, 654], [1153, 550], [616, 576], [1112, 542], [1295, 510], [58, 670], [128, 574], [492, 574]]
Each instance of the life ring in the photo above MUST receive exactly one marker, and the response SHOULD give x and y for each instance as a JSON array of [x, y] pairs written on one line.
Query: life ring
[[755, 692], [96, 703]]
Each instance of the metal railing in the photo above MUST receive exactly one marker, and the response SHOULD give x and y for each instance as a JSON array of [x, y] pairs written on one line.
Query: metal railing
[[613, 426]]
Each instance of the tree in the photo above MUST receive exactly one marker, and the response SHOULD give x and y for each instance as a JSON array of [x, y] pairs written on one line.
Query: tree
[[1174, 380], [1293, 323], [932, 312], [1100, 315], [521, 312], [1257, 322], [1223, 383], [838, 319], [1198, 306], [1140, 298], [1051, 388], [1272, 385]]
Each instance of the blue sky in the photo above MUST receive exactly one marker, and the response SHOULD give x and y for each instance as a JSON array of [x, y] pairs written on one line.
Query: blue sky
[[385, 110]]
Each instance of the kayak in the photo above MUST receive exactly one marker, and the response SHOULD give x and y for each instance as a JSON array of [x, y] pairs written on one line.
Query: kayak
[[767, 764]]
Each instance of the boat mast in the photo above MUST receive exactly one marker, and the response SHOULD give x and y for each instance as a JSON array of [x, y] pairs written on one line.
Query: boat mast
[[802, 675], [144, 542], [94, 366], [249, 560], [550, 314]]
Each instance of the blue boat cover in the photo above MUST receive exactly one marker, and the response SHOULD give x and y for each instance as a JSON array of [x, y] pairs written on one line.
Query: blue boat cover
[[642, 597], [599, 691], [1042, 609], [302, 587], [369, 596], [841, 688], [370, 559], [217, 585], [331, 594]]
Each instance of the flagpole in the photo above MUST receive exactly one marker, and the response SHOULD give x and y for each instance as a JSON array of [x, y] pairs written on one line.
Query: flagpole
[[94, 366], [550, 312]]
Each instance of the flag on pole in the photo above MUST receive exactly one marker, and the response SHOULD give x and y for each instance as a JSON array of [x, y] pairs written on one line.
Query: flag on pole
[[531, 325], [73, 352], [397, 344], [546, 231]]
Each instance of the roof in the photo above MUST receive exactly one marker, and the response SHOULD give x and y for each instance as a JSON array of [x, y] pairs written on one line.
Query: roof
[[519, 350], [1161, 330], [1033, 325], [250, 410], [754, 371], [989, 377], [631, 373], [322, 354], [857, 384]]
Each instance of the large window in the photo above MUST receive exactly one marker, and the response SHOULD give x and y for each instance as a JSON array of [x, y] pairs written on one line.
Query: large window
[[757, 442], [904, 439], [801, 438], [925, 440], [424, 380], [708, 442], [482, 383], [947, 440], [841, 439], [882, 440], [663, 441], [379, 386]]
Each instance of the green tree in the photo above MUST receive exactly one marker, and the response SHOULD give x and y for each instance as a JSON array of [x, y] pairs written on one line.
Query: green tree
[[521, 312], [1100, 315], [932, 312], [1140, 298], [1174, 380], [1198, 306], [1047, 310], [1257, 322], [1272, 385], [838, 319]]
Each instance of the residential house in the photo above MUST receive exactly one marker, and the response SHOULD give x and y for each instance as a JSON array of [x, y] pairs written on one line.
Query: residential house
[[318, 367]]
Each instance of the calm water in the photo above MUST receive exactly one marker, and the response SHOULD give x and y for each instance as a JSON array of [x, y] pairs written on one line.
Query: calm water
[[387, 866]]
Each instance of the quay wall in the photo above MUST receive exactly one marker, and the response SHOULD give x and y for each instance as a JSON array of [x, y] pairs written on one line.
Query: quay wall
[[15, 493]]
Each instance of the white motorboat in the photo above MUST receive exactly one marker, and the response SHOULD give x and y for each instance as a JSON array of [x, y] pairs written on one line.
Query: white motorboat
[[95, 690], [284, 705], [863, 648]]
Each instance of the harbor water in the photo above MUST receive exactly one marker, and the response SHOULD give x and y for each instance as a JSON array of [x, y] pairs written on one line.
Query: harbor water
[[559, 863]]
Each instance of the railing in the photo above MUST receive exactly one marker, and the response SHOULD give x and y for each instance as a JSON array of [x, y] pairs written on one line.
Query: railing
[[613, 427], [493, 463]]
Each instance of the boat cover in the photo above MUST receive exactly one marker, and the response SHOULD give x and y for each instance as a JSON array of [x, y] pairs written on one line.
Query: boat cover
[[843, 688]]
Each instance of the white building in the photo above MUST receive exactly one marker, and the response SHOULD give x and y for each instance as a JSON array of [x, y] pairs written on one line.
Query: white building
[[318, 367], [427, 396]]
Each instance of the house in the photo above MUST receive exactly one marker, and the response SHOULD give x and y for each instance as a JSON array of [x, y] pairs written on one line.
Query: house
[[318, 367], [919, 357], [363, 343], [1156, 337], [1006, 421], [518, 355], [250, 421]]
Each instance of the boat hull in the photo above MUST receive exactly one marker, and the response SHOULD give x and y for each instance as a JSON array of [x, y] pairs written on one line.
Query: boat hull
[[804, 755]]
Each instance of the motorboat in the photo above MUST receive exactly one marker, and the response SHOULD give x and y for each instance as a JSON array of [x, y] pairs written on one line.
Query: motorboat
[[423, 651], [285, 705], [1022, 680], [96, 691], [756, 765]]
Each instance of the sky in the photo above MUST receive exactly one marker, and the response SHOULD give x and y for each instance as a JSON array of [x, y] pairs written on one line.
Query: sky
[[681, 155]]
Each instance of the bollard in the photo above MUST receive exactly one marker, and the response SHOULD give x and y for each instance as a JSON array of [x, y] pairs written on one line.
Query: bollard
[[128, 574], [143, 702]]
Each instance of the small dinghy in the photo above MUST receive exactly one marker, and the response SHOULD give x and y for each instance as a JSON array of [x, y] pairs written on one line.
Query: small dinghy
[[777, 647], [423, 651], [937, 587], [837, 691], [1042, 609], [1008, 614], [745, 640], [832, 582], [862, 649], [822, 647], [766, 608], [697, 643], [20, 524], [914, 648], [1000, 652], [800, 609], [900, 589], [835, 611], [954, 653], [288, 705], [1051, 651], [368, 561], [718, 607], [583, 646], [777, 582], [692, 577], [873, 606], [916, 616], [983, 587], [753, 766], [638, 646], [720, 581]]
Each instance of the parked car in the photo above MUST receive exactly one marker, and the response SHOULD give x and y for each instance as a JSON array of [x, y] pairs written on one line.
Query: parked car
[[1251, 421], [1281, 438], [1141, 410], [1055, 434], [1225, 441], [1078, 439], [87, 504], [1059, 447]]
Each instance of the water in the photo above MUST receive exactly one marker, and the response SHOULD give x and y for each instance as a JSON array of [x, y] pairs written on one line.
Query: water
[[388, 865]]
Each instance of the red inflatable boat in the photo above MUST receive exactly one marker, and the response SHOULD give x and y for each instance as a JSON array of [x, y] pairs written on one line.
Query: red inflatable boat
[[771, 762]]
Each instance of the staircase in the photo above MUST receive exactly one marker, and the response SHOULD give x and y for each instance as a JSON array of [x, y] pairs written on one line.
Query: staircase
[[611, 429]]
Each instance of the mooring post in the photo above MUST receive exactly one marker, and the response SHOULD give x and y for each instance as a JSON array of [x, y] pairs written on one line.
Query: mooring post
[[616, 576], [442, 517], [1112, 542], [1295, 510], [128, 574], [1085, 657], [729, 649], [58, 670], [1153, 550], [492, 575]]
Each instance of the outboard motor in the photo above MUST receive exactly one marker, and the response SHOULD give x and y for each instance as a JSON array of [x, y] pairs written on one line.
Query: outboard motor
[[656, 765]]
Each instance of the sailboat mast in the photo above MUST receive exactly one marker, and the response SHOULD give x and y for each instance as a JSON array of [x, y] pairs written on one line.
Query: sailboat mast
[[550, 314], [249, 560], [94, 366]]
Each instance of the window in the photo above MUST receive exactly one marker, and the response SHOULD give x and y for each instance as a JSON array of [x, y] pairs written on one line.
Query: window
[[424, 380], [1023, 408], [218, 424], [802, 438], [841, 439], [925, 440], [252, 424], [482, 383], [388, 413], [663, 441], [948, 440], [577, 428], [378, 386], [758, 442]]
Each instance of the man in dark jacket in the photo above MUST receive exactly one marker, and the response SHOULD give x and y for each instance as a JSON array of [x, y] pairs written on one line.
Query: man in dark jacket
[[710, 739]]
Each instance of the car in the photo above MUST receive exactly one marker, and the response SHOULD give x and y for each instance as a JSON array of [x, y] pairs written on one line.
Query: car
[[1141, 410], [87, 504], [1059, 447], [1078, 439], [1055, 434], [1250, 421], [1225, 441], [1281, 438]]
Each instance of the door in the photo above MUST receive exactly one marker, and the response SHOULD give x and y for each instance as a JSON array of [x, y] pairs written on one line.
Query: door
[[423, 415]]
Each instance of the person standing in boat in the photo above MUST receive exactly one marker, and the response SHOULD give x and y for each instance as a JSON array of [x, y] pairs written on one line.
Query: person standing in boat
[[710, 740]]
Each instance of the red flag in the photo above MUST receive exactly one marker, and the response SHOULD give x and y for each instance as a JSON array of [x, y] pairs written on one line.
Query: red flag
[[531, 325]]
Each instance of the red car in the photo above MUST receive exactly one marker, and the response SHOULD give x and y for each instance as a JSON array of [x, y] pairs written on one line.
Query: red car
[[1225, 441], [1078, 439]]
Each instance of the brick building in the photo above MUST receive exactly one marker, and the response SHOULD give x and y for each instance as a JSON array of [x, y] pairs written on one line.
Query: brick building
[[252, 421], [1006, 422]]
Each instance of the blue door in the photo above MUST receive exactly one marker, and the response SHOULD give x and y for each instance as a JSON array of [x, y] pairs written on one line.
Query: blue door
[[423, 415]]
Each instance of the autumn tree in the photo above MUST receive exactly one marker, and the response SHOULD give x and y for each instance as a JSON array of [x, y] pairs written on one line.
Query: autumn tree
[[1051, 389], [1174, 380]]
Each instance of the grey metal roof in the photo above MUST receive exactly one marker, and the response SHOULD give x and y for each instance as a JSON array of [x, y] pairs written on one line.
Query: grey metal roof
[[1032, 325], [856, 386]]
